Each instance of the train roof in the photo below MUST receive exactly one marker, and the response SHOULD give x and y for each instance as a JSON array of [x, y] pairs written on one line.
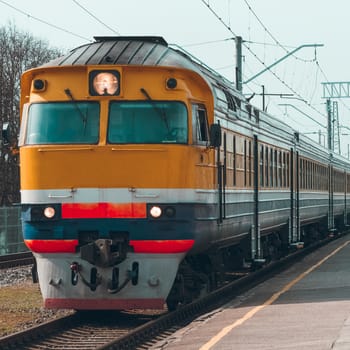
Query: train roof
[[119, 50]]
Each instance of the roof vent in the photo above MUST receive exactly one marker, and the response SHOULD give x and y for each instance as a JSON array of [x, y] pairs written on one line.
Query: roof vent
[[150, 39]]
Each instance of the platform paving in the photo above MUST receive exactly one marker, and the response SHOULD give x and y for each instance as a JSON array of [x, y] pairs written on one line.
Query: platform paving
[[306, 307]]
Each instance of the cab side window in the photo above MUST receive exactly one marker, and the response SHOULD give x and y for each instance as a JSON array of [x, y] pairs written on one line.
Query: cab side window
[[200, 124]]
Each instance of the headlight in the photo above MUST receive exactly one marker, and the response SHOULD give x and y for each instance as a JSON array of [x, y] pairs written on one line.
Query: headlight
[[42, 212], [104, 83], [49, 212], [155, 212]]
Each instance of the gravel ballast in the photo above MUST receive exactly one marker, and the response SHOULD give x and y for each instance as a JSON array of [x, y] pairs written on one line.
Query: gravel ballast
[[21, 304]]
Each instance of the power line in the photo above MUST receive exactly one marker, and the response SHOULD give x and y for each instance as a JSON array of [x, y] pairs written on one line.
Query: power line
[[93, 16], [207, 42], [285, 84], [287, 51], [232, 38], [267, 44], [44, 22], [306, 115], [262, 62], [272, 36], [218, 17]]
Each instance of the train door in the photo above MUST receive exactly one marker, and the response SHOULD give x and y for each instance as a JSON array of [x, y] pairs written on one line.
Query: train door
[[294, 217], [221, 154], [330, 198], [221, 166], [345, 198], [257, 254], [200, 137]]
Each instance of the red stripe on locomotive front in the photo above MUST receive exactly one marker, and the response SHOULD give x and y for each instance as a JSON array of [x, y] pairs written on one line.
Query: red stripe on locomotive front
[[140, 246], [163, 246], [103, 210], [52, 245]]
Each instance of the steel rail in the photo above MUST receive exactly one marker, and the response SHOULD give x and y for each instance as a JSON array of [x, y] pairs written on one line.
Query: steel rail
[[16, 259]]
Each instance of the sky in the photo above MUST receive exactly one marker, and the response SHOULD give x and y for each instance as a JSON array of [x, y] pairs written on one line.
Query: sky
[[205, 28]]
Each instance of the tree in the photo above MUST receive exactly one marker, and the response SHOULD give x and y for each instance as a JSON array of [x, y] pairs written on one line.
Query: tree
[[19, 51]]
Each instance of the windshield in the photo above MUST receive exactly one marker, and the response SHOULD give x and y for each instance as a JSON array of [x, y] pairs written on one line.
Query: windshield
[[147, 122], [63, 123]]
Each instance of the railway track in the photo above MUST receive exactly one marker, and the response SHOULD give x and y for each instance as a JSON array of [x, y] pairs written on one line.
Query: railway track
[[135, 329], [82, 330], [16, 259]]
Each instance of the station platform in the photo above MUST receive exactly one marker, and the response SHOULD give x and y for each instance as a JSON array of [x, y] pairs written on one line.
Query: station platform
[[304, 307]]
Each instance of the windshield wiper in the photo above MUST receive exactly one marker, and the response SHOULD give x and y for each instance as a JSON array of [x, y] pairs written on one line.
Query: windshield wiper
[[83, 116], [157, 109]]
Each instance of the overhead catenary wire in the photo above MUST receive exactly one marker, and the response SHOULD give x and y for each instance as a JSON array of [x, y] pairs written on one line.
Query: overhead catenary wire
[[208, 42], [232, 39], [272, 36], [262, 62], [278, 43], [95, 17], [43, 21]]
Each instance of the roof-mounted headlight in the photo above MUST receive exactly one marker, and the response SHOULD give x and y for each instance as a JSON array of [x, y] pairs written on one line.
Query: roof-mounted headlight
[[104, 83]]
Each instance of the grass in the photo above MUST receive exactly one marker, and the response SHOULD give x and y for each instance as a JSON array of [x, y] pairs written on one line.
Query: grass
[[21, 306]]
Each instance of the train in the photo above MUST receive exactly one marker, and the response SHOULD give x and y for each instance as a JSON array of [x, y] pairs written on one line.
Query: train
[[146, 175]]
